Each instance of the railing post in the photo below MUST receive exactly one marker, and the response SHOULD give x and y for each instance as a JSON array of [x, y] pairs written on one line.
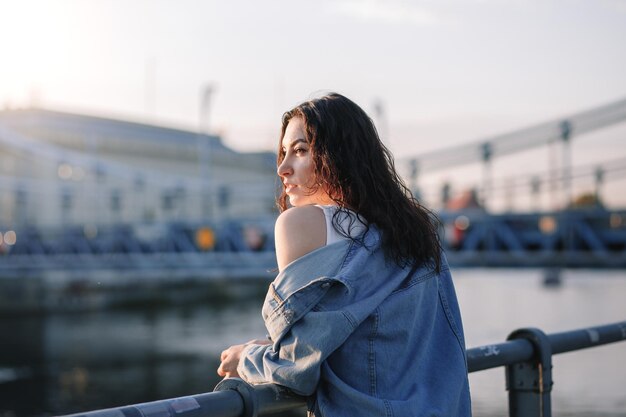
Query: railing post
[[529, 383]]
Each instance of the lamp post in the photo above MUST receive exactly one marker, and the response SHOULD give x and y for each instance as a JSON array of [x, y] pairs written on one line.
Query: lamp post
[[566, 133], [381, 117], [486, 150], [205, 101], [204, 152]]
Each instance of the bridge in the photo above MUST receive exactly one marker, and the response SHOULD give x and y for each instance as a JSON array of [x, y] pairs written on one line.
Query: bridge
[[201, 244], [571, 238], [566, 239]]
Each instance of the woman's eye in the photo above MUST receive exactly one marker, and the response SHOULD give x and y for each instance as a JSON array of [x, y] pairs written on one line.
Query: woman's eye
[[299, 151]]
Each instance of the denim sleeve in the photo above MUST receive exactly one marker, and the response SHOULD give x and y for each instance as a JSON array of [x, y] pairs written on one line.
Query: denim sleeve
[[304, 335]]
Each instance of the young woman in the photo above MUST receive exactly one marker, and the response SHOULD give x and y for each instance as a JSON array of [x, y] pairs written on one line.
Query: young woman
[[362, 317]]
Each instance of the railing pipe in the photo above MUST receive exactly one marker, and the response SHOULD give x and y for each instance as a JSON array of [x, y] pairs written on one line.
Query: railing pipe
[[500, 354], [520, 350], [220, 404], [588, 337], [527, 355]]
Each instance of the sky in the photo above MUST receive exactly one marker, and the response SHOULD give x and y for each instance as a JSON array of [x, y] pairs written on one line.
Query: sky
[[443, 72]]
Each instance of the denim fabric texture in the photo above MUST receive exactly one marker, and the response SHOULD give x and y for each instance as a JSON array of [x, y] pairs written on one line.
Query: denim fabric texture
[[362, 336]]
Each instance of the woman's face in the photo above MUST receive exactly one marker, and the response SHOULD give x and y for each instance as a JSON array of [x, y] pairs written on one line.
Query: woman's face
[[297, 169]]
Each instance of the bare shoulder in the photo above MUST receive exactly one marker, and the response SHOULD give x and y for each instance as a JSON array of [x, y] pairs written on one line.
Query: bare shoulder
[[298, 231]]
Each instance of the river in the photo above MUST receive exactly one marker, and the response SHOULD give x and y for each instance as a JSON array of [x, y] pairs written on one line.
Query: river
[[65, 363]]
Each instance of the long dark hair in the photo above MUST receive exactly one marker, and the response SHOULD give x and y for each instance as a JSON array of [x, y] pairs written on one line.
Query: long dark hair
[[358, 172]]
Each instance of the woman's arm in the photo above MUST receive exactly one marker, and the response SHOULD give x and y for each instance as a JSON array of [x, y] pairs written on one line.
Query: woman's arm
[[298, 231]]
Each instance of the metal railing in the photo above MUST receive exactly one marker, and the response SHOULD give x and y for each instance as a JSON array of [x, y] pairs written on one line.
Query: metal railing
[[527, 355]]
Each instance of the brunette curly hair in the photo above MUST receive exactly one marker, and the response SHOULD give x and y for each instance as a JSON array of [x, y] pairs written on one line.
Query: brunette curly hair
[[357, 170]]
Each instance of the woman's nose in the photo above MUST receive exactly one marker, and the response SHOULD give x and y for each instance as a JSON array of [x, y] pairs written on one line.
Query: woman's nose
[[284, 168]]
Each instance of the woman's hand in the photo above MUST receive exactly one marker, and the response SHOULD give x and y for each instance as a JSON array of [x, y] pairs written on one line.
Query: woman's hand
[[230, 358]]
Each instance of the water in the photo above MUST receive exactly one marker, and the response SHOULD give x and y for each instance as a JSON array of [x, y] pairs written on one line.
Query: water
[[589, 382], [58, 364]]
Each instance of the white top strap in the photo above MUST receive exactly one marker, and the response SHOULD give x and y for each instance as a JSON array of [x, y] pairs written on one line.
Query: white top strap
[[348, 222]]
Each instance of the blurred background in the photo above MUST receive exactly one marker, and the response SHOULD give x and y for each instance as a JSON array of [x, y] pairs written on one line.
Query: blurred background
[[137, 177]]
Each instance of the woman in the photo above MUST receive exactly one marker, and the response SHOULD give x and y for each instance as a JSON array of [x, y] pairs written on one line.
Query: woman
[[362, 317]]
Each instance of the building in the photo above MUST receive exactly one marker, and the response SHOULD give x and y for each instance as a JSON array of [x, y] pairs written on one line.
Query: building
[[59, 168]]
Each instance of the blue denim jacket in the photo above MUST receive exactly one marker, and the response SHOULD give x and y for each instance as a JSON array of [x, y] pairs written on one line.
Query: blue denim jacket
[[362, 336]]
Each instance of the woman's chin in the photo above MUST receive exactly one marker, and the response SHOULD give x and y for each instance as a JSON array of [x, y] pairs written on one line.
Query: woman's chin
[[296, 201]]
